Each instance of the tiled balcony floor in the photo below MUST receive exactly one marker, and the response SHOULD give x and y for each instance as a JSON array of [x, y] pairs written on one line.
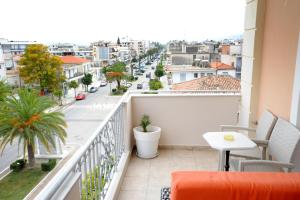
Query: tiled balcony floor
[[145, 177]]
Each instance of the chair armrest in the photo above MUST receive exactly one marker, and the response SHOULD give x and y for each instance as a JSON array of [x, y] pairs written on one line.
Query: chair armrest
[[263, 143], [230, 127], [264, 164]]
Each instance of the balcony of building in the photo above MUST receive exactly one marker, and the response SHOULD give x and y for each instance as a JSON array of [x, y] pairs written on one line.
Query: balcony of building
[[270, 80], [184, 117]]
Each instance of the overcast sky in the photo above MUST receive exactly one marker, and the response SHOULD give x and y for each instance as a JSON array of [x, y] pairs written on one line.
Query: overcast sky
[[85, 21]]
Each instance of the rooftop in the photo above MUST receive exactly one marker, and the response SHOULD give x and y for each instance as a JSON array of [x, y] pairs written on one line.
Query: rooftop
[[220, 66], [73, 60], [210, 83]]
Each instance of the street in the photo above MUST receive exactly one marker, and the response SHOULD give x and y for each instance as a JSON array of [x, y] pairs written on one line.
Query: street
[[82, 118]]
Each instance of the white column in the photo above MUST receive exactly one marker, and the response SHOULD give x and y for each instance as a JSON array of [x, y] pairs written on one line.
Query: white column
[[295, 106], [252, 50]]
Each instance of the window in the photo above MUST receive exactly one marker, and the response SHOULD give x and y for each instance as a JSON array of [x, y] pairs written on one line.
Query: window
[[210, 74], [202, 74], [195, 75], [225, 73], [182, 77]]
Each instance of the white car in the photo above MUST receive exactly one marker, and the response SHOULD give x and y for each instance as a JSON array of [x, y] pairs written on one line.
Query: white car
[[103, 83]]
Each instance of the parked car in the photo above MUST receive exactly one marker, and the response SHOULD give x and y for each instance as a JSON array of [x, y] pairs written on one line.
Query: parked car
[[103, 83], [138, 73], [93, 90], [148, 75], [80, 96], [139, 86]]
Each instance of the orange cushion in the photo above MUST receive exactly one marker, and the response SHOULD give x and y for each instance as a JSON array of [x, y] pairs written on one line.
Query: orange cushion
[[235, 185]]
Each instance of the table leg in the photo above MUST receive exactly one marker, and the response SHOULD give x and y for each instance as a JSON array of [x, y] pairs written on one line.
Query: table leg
[[221, 160], [227, 161]]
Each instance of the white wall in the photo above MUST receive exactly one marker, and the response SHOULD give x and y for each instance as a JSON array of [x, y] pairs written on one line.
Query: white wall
[[228, 59], [229, 72], [190, 75], [185, 118]]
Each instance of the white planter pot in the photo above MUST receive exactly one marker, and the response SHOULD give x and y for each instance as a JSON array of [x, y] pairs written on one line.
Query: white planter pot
[[147, 142]]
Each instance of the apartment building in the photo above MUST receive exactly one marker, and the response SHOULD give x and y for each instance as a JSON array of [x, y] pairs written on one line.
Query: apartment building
[[231, 54], [68, 49], [181, 73], [75, 67], [12, 48], [223, 69], [2, 67], [105, 52]]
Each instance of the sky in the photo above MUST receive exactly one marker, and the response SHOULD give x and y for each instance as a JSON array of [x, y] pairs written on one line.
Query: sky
[[86, 21]]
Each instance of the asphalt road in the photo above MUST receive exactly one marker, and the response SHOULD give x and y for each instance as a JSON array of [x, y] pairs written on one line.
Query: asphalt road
[[82, 118]]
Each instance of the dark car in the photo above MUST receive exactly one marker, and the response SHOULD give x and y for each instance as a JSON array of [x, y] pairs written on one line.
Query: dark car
[[80, 96], [139, 86], [93, 90], [148, 75]]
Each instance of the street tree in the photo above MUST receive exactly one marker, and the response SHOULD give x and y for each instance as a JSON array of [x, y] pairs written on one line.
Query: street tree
[[159, 72], [87, 80], [39, 67], [115, 72], [26, 118], [74, 85]]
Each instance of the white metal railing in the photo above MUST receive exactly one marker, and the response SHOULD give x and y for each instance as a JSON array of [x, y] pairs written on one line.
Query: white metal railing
[[96, 161]]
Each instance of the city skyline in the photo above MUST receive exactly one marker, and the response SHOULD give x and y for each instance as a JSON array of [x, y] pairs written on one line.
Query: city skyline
[[74, 22]]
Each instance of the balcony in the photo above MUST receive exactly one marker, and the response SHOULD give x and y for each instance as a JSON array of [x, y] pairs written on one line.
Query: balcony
[[109, 154]]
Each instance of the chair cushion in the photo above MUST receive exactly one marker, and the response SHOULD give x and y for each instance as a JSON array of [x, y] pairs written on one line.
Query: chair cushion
[[249, 153], [195, 185]]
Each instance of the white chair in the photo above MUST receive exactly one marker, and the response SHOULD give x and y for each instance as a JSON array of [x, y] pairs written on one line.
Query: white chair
[[263, 131], [284, 149]]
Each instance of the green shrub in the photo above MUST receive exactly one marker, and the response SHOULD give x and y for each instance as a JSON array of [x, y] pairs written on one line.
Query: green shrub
[[18, 165], [123, 88], [136, 78], [155, 84], [49, 165], [114, 90], [131, 78]]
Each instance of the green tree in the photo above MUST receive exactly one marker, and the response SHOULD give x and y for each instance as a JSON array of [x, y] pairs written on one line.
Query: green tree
[[115, 72], [155, 84], [74, 85], [58, 93], [134, 60], [159, 72], [26, 118], [42, 68], [5, 90], [87, 80]]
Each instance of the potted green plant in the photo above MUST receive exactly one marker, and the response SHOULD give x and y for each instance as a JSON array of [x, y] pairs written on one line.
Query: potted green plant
[[147, 138]]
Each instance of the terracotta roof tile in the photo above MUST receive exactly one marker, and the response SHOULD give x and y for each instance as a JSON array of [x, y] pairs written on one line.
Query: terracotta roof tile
[[73, 60], [220, 65], [210, 83]]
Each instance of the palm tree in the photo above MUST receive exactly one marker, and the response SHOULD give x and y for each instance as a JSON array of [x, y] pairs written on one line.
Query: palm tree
[[26, 118], [5, 90]]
